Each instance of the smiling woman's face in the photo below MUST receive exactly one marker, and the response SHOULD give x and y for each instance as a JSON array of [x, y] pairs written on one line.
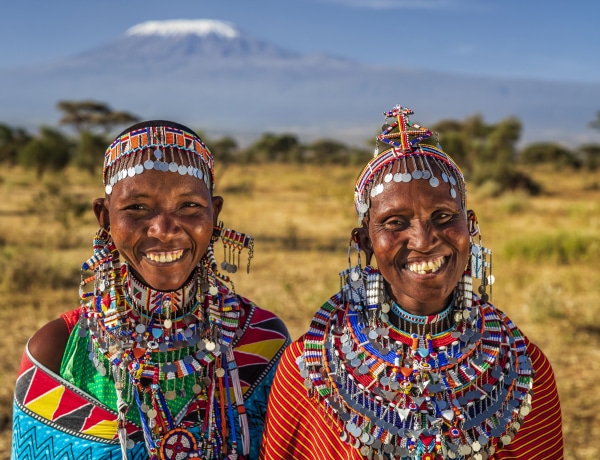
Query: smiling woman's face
[[420, 238], [161, 224]]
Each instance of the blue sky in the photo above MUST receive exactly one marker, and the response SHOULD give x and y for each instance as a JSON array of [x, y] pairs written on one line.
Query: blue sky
[[516, 38]]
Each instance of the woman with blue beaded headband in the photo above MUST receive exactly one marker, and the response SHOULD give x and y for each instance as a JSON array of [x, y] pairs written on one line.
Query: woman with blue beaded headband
[[162, 360], [406, 361]]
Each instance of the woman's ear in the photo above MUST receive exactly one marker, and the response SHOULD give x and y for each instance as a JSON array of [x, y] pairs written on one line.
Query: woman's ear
[[472, 222], [217, 206], [100, 206], [360, 236]]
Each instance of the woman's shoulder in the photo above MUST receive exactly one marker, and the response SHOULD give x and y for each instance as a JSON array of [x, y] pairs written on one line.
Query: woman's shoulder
[[48, 344], [257, 319]]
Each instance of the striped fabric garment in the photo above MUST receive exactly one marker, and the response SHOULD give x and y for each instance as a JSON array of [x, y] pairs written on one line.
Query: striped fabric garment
[[297, 427], [53, 418]]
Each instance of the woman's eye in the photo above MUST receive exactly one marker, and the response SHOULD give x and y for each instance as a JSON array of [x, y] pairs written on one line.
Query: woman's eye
[[443, 217], [134, 207], [394, 224], [191, 208], [190, 205]]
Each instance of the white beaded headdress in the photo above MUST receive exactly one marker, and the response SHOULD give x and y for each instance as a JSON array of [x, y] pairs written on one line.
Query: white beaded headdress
[[161, 145]]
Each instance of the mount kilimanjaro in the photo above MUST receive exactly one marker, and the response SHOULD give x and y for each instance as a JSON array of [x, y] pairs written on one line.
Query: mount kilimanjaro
[[212, 76]]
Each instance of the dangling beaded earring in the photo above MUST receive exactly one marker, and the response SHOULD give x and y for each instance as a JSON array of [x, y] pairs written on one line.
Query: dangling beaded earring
[[352, 279], [233, 244], [480, 261]]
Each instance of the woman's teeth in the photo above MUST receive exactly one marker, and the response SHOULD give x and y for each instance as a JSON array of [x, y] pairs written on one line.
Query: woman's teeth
[[429, 266], [164, 257]]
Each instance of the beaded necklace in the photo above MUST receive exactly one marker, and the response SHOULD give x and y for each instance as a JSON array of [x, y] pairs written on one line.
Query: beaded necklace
[[457, 393], [160, 347]]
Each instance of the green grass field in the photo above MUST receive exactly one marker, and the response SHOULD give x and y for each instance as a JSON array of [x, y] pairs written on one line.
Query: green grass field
[[545, 261]]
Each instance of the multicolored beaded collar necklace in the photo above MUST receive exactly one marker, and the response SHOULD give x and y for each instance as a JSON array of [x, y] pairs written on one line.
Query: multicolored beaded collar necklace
[[160, 347], [456, 393]]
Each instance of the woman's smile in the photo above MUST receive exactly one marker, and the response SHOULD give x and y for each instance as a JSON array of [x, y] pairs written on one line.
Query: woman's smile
[[164, 257], [426, 266], [420, 238], [161, 223]]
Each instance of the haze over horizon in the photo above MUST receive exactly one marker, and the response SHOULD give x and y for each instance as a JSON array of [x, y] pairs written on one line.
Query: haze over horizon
[[548, 40], [445, 58]]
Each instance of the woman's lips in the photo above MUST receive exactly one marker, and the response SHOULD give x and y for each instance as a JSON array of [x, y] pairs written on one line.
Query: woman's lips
[[164, 257], [426, 266]]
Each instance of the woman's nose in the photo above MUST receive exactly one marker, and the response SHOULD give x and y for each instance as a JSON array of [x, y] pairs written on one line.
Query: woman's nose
[[421, 236], [163, 226]]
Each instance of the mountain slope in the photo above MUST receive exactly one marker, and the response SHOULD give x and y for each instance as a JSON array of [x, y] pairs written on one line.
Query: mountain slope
[[210, 75]]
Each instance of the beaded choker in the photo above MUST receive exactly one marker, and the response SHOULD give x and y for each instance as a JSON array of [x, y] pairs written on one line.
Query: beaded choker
[[457, 393], [169, 354], [421, 325]]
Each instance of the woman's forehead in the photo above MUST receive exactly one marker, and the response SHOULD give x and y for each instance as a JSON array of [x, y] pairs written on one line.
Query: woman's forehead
[[415, 194], [160, 184]]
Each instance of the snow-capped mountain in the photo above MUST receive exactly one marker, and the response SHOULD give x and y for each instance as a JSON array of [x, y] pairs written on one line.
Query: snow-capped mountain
[[181, 43], [214, 77]]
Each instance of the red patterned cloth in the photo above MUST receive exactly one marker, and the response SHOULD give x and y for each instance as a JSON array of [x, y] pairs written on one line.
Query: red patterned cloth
[[54, 418], [296, 427]]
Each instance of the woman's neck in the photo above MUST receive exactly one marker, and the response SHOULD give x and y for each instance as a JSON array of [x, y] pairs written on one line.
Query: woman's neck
[[148, 301], [422, 325]]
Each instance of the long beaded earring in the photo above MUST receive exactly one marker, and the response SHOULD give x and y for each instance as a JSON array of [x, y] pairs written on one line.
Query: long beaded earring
[[351, 279], [234, 243], [480, 260]]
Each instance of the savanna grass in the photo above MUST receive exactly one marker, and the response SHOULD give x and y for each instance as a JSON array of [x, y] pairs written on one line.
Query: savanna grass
[[545, 251]]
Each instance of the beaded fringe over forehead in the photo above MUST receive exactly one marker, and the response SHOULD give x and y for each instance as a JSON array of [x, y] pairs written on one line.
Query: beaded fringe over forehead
[[406, 160], [163, 148]]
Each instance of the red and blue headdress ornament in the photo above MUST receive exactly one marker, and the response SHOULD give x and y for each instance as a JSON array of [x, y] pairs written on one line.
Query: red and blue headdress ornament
[[406, 159]]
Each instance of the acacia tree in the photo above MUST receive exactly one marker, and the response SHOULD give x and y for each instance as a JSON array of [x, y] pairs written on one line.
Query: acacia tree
[[50, 150], [92, 115], [224, 149], [11, 140], [93, 121], [486, 153], [275, 147], [324, 151], [550, 153], [89, 152]]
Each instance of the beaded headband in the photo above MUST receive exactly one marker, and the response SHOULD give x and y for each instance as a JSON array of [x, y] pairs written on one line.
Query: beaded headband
[[406, 160], [161, 145]]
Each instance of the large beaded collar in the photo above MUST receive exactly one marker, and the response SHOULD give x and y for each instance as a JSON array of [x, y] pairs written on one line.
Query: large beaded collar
[[457, 385]]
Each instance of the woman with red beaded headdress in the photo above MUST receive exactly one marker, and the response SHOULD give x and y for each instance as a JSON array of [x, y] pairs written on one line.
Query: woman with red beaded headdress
[[406, 361], [162, 360]]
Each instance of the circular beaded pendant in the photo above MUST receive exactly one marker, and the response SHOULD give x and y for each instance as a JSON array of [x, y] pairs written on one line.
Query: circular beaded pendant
[[178, 444]]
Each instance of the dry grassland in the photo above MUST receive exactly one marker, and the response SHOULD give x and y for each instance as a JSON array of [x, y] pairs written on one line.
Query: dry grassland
[[546, 252]]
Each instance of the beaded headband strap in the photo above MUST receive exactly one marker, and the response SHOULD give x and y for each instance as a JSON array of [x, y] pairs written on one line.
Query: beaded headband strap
[[161, 146], [406, 160]]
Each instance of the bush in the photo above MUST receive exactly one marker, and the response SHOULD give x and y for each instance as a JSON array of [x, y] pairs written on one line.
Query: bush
[[591, 156], [548, 153]]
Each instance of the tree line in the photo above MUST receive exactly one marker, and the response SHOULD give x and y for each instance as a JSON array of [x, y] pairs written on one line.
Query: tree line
[[487, 153]]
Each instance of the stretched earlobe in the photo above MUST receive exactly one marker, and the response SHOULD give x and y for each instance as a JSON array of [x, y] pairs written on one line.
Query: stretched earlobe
[[217, 207], [100, 208], [360, 236], [472, 222]]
